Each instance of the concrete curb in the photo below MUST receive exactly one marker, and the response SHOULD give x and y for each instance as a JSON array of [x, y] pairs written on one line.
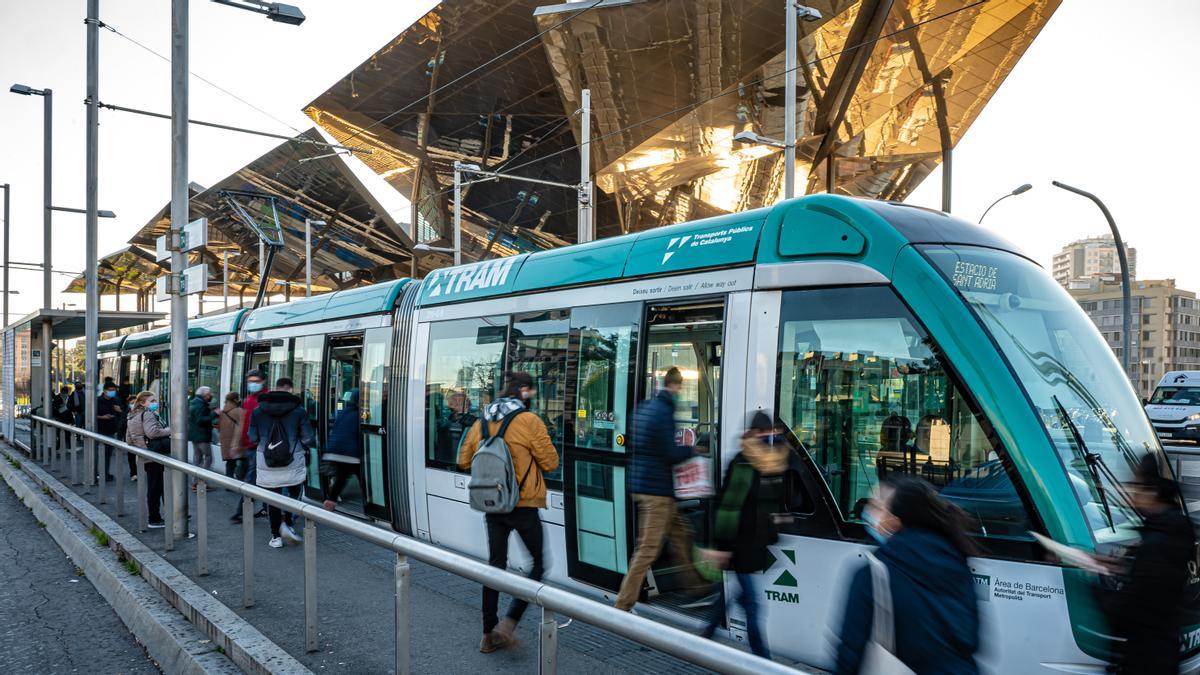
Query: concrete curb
[[157, 612]]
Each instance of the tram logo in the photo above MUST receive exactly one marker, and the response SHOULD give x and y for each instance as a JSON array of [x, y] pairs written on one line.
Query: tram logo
[[783, 574], [488, 274], [672, 249]]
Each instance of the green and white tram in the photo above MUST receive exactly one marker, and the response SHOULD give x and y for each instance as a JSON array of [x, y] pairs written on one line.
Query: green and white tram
[[887, 338]]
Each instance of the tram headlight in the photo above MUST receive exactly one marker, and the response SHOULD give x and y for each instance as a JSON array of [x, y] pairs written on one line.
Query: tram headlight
[[1194, 417]]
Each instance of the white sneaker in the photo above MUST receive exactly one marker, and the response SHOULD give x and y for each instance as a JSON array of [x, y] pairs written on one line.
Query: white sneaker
[[288, 533], [275, 542]]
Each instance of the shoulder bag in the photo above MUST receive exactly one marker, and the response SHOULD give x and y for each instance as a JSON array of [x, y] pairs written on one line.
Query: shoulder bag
[[879, 655]]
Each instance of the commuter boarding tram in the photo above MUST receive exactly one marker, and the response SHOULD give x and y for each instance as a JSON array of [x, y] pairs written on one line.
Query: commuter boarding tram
[[886, 338]]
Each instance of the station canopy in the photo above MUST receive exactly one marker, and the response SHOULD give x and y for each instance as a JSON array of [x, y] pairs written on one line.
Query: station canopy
[[884, 89], [359, 242]]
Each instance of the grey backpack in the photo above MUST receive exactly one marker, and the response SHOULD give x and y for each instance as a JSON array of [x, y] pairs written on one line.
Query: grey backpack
[[493, 487]]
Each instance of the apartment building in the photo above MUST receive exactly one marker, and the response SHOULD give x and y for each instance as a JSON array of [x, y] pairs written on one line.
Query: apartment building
[[1089, 258]]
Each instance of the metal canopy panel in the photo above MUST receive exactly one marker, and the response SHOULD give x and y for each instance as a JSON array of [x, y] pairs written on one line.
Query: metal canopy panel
[[672, 82], [68, 324]]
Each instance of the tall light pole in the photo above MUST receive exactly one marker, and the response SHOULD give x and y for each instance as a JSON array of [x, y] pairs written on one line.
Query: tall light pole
[[586, 231], [47, 190], [1126, 287], [7, 227], [1017, 191], [789, 102], [308, 223]]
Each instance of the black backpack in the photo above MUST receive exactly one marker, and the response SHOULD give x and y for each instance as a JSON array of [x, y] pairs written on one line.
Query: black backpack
[[278, 452]]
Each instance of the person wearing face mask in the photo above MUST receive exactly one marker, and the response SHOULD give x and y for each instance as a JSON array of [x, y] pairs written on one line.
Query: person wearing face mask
[[924, 549], [255, 381], [532, 454], [109, 412], [144, 429], [745, 523]]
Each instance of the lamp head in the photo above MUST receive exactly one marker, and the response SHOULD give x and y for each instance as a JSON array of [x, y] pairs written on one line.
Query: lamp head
[[106, 214], [281, 13], [1022, 189], [746, 137], [808, 14], [23, 89]]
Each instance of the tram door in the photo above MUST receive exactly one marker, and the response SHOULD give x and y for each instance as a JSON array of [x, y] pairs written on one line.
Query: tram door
[[687, 337], [343, 373]]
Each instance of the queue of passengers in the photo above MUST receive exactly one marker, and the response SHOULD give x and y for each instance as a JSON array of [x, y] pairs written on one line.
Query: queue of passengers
[[911, 607]]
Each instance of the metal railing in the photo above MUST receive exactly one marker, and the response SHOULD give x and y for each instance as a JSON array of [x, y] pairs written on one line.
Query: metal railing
[[552, 600]]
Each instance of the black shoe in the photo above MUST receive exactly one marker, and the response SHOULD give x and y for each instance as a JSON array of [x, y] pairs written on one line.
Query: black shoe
[[156, 525], [261, 513], [236, 519], [109, 478]]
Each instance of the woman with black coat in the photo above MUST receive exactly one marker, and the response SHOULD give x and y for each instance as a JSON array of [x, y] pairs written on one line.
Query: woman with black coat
[[924, 549]]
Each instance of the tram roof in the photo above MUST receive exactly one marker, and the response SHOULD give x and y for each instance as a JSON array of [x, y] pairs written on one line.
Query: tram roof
[[373, 299], [201, 327], [813, 227]]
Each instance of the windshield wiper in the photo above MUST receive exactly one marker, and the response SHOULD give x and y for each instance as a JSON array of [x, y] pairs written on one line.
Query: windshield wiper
[[1090, 459]]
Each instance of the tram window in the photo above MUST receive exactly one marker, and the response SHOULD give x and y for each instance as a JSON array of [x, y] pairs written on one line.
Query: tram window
[[204, 369], [861, 389], [538, 346], [280, 364], [463, 376], [607, 345]]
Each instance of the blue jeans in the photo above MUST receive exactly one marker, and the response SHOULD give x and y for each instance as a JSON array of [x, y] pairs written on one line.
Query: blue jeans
[[748, 599]]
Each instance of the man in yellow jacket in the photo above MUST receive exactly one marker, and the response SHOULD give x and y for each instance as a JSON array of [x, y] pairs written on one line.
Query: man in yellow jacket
[[532, 454]]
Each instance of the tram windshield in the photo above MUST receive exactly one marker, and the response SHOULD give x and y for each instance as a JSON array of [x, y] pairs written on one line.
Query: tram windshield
[[1071, 376]]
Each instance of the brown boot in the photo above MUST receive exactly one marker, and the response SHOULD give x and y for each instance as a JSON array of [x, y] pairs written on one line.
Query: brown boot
[[490, 642], [505, 631]]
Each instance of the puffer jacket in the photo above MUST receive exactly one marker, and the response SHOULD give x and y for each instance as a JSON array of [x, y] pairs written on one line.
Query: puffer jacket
[[229, 421], [654, 449], [201, 420], [751, 495], [528, 441], [284, 407], [933, 604], [142, 425]]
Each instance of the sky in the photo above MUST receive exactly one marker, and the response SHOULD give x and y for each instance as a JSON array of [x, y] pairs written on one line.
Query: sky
[[1097, 102]]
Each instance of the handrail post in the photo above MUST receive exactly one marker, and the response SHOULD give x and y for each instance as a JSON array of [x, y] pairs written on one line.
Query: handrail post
[[141, 492], [548, 644], [247, 551], [75, 478], [403, 617], [121, 470], [310, 585], [101, 464], [168, 509], [202, 527]]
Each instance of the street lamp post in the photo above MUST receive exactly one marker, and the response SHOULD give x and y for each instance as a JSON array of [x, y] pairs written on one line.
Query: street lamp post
[[7, 228], [1126, 287], [1017, 191], [47, 190], [308, 223]]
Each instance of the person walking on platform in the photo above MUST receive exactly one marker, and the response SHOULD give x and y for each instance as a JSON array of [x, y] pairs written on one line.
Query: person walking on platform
[[1147, 612], [109, 414], [76, 404], [532, 454], [123, 434], [746, 521], [922, 567], [655, 453], [343, 451], [145, 430], [283, 434], [229, 420], [255, 382], [201, 420]]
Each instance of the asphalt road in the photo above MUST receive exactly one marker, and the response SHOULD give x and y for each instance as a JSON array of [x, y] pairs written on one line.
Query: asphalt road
[[51, 619]]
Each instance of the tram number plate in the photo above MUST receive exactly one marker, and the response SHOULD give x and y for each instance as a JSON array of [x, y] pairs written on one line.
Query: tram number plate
[[1166, 434]]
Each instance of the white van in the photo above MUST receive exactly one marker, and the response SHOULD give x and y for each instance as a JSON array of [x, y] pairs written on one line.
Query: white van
[[1174, 409]]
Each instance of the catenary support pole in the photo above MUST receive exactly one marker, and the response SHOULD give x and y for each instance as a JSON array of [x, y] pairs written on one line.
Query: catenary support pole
[[457, 213], [179, 217], [91, 302], [7, 229], [789, 101]]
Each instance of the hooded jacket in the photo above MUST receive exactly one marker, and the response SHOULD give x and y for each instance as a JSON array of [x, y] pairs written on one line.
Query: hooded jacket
[[752, 494], [283, 407], [655, 451], [532, 450], [933, 604], [114, 408], [345, 441], [201, 419]]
